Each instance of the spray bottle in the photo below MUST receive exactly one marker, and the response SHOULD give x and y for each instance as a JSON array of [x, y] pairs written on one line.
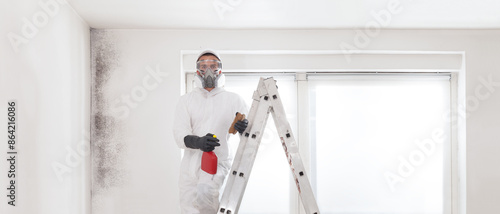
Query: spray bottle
[[209, 161]]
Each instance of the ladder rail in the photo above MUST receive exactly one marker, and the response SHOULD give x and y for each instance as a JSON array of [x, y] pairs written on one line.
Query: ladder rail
[[266, 100], [291, 149], [248, 158], [237, 158], [247, 151]]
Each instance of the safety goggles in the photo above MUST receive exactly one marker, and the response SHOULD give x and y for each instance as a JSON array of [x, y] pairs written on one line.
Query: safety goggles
[[209, 65]]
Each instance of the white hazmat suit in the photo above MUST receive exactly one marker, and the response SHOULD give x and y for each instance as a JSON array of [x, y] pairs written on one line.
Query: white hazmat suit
[[198, 113]]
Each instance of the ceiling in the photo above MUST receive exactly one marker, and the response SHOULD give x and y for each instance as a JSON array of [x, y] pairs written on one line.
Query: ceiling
[[290, 14]]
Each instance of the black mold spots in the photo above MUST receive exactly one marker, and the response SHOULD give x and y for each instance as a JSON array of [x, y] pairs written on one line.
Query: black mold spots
[[108, 151], [107, 146], [104, 62]]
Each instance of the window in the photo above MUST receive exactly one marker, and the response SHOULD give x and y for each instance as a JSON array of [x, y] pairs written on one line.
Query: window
[[379, 143]]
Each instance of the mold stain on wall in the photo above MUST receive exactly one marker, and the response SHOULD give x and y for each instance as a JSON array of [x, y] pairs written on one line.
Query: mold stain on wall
[[107, 147]]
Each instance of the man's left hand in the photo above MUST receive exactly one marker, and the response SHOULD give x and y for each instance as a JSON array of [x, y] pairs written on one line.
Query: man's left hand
[[241, 125]]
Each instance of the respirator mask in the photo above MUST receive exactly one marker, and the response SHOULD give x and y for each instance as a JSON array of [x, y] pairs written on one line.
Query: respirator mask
[[209, 72]]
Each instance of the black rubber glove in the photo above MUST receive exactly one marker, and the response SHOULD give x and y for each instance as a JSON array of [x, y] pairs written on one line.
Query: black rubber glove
[[241, 125], [206, 143]]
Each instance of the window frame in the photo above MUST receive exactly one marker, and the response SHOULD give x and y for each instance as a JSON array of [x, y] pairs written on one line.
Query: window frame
[[417, 62]]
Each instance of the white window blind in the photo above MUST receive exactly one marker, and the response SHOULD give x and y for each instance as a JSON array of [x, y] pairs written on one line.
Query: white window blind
[[380, 143]]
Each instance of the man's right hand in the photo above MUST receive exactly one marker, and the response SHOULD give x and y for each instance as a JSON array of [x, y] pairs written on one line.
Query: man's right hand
[[206, 143]]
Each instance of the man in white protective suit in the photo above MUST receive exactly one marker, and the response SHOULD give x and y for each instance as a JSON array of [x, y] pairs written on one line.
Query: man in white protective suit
[[206, 111]]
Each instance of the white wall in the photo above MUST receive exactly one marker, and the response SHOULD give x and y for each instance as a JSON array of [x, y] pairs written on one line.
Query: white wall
[[135, 164], [44, 54], [49, 76], [152, 159]]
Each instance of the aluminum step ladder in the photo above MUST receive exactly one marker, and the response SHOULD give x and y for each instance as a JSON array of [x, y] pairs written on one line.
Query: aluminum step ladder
[[266, 99]]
